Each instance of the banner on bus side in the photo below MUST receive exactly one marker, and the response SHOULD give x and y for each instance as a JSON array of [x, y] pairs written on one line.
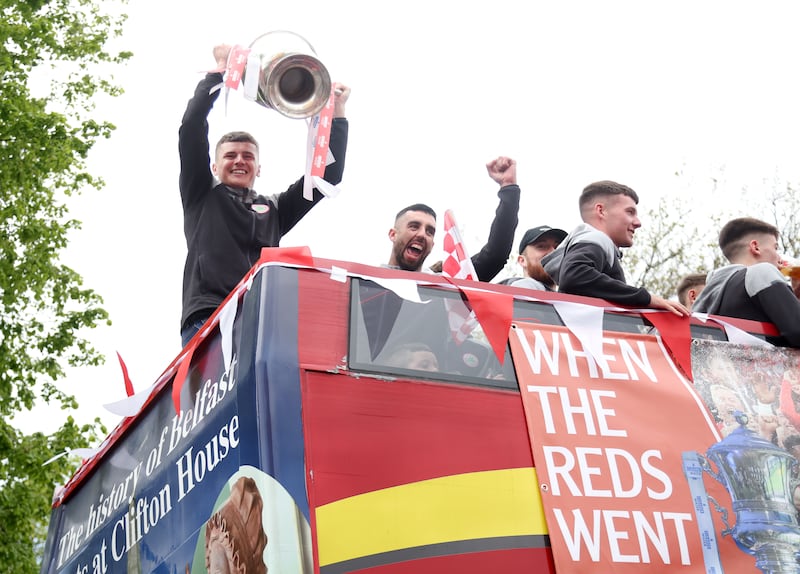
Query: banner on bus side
[[640, 469]]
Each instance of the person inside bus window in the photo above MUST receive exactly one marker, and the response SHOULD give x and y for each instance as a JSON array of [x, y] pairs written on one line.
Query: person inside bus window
[[588, 261], [414, 228], [414, 356]]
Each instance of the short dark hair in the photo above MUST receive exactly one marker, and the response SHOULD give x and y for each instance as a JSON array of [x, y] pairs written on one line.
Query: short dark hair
[[689, 281], [602, 189], [416, 207], [733, 233], [235, 137]]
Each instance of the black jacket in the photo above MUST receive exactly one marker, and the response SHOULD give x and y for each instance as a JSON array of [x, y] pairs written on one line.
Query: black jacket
[[493, 256], [224, 234], [588, 263]]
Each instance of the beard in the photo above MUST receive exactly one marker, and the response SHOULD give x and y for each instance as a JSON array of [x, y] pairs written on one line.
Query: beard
[[536, 271], [403, 262]]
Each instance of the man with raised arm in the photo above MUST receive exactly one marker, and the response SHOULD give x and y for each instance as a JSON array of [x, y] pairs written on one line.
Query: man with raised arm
[[415, 227], [225, 221]]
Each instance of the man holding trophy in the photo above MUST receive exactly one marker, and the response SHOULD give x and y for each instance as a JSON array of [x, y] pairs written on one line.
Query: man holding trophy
[[226, 222]]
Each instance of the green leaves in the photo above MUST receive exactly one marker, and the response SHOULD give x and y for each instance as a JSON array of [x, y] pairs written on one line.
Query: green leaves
[[44, 306]]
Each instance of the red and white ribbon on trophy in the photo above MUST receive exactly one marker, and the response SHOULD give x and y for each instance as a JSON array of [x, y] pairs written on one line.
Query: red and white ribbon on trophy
[[245, 67], [319, 154]]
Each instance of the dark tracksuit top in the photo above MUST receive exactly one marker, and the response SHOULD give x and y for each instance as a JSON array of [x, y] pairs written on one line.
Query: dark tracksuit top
[[757, 292], [224, 232], [493, 256], [588, 263]]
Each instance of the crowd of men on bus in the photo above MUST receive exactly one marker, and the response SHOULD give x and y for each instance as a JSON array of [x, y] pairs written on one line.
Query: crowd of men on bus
[[227, 223]]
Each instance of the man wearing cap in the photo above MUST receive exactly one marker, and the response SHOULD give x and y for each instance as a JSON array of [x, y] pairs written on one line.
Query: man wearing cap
[[536, 243]]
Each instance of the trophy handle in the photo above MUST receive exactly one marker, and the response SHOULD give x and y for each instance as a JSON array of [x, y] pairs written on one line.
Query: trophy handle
[[723, 514], [705, 465]]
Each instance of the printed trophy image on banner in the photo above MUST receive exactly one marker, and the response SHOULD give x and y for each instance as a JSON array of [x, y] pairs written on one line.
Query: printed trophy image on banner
[[755, 406]]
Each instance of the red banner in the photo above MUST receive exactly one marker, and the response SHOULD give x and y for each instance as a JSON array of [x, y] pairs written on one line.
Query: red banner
[[619, 450]]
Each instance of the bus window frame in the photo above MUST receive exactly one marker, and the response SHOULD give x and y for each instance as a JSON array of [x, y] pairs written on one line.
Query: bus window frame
[[356, 362]]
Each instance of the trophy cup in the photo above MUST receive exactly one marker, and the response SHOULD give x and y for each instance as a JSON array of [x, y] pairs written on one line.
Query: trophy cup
[[760, 478], [291, 79]]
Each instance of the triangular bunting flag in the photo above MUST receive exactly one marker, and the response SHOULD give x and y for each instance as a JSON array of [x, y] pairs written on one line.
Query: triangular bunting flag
[[125, 377], [677, 338]]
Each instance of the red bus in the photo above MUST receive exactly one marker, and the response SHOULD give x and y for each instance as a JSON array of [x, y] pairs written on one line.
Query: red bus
[[334, 417]]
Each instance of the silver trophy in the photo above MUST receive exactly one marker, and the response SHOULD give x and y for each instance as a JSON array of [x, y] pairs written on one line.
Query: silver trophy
[[291, 79], [760, 478]]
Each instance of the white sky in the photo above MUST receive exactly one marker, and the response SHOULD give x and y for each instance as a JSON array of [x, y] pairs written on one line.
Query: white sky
[[575, 91]]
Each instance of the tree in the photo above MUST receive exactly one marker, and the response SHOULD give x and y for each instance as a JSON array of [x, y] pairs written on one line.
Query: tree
[[44, 142], [781, 208], [674, 240]]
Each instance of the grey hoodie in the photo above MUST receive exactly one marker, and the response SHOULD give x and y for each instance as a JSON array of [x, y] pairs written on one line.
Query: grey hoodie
[[710, 298]]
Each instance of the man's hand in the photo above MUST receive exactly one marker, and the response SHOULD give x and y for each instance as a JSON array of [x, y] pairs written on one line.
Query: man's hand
[[221, 53], [657, 302], [503, 170], [340, 95]]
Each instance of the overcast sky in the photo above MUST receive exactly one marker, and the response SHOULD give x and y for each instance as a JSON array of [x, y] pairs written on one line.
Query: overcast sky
[[574, 91]]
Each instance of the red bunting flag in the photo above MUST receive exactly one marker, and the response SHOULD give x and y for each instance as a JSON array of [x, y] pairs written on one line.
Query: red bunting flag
[[677, 337], [125, 377], [180, 376]]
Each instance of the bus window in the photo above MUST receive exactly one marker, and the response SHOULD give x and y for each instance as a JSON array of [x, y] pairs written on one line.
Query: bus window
[[433, 340], [536, 312]]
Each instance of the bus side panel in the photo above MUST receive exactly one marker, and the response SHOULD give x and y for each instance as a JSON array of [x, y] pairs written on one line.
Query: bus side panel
[[141, 509], [171, 481], [521, 560], [409, 476], [323, 320]]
